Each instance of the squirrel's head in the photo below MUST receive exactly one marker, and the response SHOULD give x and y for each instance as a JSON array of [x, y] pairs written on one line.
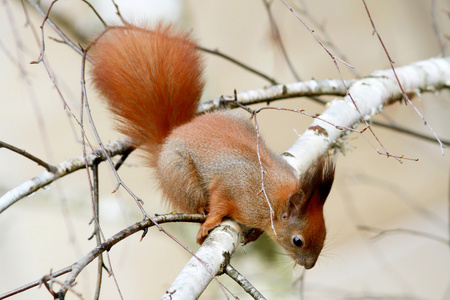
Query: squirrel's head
[[300, 226]]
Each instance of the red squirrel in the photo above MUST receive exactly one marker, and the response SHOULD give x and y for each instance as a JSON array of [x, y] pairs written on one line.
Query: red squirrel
[[152, 81]]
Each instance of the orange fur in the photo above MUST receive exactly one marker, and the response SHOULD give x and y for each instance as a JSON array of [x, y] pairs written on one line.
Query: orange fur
[[152, 82]]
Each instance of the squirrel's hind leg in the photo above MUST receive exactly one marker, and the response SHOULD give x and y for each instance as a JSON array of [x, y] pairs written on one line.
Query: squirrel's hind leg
[[180, 181]]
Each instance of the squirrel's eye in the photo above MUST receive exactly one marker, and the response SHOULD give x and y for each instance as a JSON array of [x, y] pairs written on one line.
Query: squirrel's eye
[[297, 241]]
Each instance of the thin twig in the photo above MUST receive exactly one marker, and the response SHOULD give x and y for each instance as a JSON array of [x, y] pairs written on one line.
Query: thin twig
[[94, 186], [138, 201], [118, 13], [405, 96], [48, 282], [27, 79], [45, 281], [95, 12], [43, 60], [263, 189], [238, 63], [301, 281], [448, 203], [71, 44], [243, 282], [409, 132], [109, 243], [124, 156], [24, 153], [36, 282], [96, 219], [277, 38], [327, 39], [437, 28], [382, 232], [333, 57]]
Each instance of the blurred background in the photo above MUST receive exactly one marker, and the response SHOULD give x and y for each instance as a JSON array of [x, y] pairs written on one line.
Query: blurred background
[[49, 229]]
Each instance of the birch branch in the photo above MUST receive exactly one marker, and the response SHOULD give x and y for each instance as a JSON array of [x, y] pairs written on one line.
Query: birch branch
[[371, 94], [62, 169], [218, 247], [309, 88], [109, 243]]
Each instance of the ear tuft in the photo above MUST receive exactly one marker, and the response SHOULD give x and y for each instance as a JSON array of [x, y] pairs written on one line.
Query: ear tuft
[[319, 177]]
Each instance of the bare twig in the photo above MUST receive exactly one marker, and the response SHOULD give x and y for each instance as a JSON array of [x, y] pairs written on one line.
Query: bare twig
[[95, 12], [63, 169], [301, 282], [24, 153], [36, 282], [96, 233], [20, 47], [48, 282], [382, 232], [109, 243], [43, 60], [409, 132], [277, 38], [437, 28], [327, 40], [262, 172], [118, 13], [54, 27], [243, 282], [123, 158], [405, 96], [333, 57], [97, 136], [238, 63]]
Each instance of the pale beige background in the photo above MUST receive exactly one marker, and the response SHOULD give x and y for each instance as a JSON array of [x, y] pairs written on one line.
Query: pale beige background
[[49, 229]]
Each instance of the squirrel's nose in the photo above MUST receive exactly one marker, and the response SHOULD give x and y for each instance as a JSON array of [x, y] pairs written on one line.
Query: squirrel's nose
[[307, 262], [309, 265]]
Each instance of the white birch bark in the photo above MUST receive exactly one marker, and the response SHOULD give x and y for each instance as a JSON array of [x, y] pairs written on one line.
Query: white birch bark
[[66, 167], [370, 94], [195, 276]]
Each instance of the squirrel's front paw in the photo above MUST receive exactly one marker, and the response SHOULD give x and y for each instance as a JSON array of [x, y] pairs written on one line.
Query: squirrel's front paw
[[202, 234]]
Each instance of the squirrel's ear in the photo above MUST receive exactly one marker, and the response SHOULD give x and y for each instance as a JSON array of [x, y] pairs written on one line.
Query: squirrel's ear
[[294, 205]]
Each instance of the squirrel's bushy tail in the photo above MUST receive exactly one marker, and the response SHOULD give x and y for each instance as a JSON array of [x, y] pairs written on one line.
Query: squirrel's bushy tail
[[151, 79]]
